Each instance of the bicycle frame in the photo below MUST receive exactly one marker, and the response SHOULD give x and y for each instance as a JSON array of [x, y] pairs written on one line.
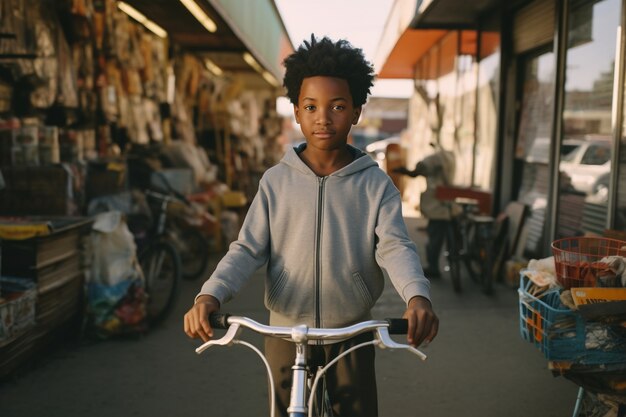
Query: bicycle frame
[[301, 335], [470, 242]]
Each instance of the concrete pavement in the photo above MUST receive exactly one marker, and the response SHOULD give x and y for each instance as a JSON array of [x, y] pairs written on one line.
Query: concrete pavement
[[477, 366]]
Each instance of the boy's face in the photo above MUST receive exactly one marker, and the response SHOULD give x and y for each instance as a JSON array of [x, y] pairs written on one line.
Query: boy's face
[[325, 112]]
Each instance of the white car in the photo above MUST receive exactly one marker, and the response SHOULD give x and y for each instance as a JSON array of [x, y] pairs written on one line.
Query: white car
[[540, 149], [587, 164]]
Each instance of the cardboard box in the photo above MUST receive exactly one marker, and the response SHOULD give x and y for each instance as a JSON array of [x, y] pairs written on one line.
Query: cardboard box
[[595, 295]]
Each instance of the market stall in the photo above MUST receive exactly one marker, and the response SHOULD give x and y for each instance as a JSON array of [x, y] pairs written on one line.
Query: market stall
[[96, 96], [573, 309], [41, 283]]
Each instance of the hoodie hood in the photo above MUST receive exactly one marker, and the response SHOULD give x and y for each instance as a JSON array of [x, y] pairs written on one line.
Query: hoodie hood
[[361, 162]]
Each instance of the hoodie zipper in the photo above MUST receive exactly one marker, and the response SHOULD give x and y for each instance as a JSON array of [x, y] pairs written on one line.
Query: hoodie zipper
[[318, 247]]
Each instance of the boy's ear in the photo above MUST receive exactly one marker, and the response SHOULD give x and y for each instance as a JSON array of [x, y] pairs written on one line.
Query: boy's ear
[[296, 113], [356, 115]]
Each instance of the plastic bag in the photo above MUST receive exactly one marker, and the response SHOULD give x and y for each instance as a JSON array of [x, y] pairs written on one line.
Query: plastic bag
[[542, 272], [116, 298], [115, 252]]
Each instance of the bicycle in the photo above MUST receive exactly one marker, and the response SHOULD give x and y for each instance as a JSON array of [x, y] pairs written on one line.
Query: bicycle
[[470, 242], [184, 230], [157, 256], [305, 383]]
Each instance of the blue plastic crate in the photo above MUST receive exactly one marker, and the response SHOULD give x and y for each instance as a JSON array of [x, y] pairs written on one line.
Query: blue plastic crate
[[562, 334]]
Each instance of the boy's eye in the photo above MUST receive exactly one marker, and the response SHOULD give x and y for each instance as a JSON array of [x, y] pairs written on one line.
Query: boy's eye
[[339, 107], [309, 107]]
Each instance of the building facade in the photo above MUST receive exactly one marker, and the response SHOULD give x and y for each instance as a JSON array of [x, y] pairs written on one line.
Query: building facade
[[529, 96]]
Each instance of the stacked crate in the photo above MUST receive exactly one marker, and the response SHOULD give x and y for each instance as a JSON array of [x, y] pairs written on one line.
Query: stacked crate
[[53, 264]]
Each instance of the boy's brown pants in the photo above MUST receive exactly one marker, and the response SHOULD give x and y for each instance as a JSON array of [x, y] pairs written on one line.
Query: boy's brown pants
[[351, 382]]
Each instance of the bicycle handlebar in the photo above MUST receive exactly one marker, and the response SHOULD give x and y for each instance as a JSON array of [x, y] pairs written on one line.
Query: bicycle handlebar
[[303, 333], [395, 326]]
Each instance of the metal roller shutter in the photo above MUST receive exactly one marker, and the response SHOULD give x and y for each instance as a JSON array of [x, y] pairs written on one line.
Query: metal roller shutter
[[533, 25]]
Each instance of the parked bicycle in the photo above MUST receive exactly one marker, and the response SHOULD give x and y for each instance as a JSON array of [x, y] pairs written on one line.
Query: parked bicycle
[[157, 255], [470, 242], [305, 382], [189, 224], [186, 227]]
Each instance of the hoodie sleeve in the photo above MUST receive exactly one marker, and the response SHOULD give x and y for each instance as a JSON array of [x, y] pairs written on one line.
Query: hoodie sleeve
[[396, 253], [247, 254]]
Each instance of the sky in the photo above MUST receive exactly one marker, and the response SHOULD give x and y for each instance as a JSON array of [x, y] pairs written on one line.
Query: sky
[[361, 22]]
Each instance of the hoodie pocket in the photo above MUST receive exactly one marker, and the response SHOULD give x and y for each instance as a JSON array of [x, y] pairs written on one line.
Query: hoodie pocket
[[275, 290], [362, 289]]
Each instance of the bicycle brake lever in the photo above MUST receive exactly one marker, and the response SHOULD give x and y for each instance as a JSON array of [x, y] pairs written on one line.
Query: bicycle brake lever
[[227, 339], [385, 341]]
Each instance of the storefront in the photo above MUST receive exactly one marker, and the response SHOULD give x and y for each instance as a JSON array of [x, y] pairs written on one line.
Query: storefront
[[82, 81], [529, 96], [97, 96]]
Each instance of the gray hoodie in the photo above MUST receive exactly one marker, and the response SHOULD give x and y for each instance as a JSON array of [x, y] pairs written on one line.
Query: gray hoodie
[[327, 242]]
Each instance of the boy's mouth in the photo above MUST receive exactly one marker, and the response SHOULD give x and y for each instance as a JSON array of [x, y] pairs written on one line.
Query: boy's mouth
[[323, 133]]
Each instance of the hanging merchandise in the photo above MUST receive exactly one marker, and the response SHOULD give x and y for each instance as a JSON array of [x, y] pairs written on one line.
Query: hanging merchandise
[[67, 94], [25, 150], [99, 22], [182, 154], [137, 121], [15, 18], [182, 123], [145, 47], [45, 65], [49, 152], [153, 120], [111, 93]]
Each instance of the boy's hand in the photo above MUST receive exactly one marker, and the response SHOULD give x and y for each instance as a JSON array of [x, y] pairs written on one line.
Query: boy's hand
[[423, 323], [197, 318]]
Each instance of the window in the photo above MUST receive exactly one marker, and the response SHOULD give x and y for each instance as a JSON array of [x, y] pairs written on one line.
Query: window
[[592, 34]]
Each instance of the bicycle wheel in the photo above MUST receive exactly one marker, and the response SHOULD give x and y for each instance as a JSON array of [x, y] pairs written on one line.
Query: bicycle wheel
[[194, 253], [481, 261], [161, 267], [453, 255]]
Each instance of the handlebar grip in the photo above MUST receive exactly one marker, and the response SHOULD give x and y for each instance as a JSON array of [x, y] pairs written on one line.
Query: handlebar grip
[[398, 326], [219, 320]]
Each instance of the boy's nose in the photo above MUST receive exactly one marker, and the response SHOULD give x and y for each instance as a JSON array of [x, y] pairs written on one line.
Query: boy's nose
[[323, 118]]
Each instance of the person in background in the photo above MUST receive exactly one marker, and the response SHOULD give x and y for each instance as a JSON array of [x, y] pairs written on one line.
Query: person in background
[[328, 223], [438, 168]]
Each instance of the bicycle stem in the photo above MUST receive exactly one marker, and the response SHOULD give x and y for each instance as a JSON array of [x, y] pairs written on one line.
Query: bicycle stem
[[297, 401]]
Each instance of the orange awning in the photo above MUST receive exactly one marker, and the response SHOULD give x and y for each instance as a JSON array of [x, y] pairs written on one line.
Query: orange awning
[[411, 46], [415, 43]]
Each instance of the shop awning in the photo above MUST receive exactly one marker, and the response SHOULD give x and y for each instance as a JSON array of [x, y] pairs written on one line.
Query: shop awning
[[452, 14], [260, 28], [410, 47], [241, 26], [415, 26]]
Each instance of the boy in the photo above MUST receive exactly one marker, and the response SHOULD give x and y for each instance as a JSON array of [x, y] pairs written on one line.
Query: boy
[[328, 222]]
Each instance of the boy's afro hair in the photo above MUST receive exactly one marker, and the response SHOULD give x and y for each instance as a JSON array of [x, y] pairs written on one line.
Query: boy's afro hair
[[332, 59]]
